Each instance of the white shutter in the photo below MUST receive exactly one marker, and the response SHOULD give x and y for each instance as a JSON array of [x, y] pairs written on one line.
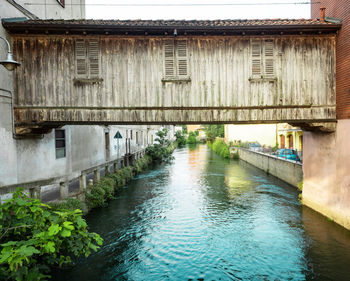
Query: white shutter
[[256, 58], [169, 58], [80, 57], [269, 58], [94, 58], [182, 58]]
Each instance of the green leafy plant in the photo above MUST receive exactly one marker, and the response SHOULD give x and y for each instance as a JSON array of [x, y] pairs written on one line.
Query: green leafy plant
[[180, 138], [34, 238], [220, 147], [68, 204], [100, 193], [214, 131], [162, 150], [192, 139]]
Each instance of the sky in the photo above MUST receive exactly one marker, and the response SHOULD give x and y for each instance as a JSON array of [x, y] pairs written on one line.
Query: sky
[[108, 9]]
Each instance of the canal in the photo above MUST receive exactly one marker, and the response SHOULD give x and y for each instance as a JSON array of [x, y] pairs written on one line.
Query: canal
[[205, 218]]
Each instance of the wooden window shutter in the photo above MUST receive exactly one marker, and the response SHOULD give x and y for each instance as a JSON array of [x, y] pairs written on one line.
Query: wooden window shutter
[[80, 57], [269, 58], [256, 58], [169, 58], [94, 58], [182, 58]]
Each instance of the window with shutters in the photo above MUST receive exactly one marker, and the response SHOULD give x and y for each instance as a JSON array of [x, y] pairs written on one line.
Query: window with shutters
[[262, 59], [87, 58], [175, 60]]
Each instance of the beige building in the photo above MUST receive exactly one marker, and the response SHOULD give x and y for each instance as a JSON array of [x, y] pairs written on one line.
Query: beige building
[[264, 134], [290, 137]]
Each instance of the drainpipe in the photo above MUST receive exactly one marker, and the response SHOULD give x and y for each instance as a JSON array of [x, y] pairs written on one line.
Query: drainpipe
[[323, 15]]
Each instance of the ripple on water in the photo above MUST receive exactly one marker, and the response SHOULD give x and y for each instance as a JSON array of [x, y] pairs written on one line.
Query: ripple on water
[[202, 218]]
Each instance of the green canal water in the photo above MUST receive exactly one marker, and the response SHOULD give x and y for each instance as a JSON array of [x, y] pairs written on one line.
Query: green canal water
[[205, 218]]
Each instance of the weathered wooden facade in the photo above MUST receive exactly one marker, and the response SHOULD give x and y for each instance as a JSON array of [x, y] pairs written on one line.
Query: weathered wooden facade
[[113, 73]]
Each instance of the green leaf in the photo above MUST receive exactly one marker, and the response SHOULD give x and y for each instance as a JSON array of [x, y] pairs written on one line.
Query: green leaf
[[28, 251], [20, 201], [65, 233], [50, 247], [81, 222], [68, 225], [54, 229]]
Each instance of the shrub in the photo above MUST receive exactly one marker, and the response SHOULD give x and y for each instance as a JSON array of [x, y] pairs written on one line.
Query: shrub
[[68, 204], [34, 237], [180, 138], [192, 139], [221, 148], [95, 197], [162, 150], [100, 192], [142, 164]]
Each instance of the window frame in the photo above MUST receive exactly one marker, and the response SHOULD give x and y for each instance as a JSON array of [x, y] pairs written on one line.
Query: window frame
[[175, 60], [87, 58], [60, 148], [262, 59]]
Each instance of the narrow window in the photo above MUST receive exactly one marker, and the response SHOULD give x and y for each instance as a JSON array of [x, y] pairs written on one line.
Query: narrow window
[[137, 137], [175, 59], [87, 56], [169, 58], [80, 56], [130, 134], [256, 59], [94, 58], [262, 59], [182, 58], [60, 143], [269, 58]]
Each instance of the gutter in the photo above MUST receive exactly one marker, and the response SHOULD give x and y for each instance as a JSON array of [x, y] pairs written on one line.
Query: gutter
[[23, 28]]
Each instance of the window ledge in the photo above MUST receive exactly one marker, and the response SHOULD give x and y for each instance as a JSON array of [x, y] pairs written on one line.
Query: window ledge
[[176, 79], [263, 79], [87, 81]]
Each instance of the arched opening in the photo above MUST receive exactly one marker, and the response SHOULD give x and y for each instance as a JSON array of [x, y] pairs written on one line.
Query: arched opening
[[283, 141], [290, 141]]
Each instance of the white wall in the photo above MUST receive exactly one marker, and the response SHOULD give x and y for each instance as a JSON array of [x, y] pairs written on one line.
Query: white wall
[[265, 134]]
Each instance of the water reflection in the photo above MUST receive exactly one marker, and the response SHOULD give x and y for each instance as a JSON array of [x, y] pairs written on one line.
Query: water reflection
[[205, 218]]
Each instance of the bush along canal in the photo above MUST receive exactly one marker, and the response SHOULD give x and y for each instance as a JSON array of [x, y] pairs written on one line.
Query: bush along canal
[[202, 217], [36, 238]]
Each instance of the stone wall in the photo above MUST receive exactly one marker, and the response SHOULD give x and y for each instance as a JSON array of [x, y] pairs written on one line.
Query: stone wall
[[288, 171]]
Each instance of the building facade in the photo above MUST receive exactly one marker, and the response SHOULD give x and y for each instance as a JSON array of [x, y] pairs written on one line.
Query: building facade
[[59, 153], [264, 134]]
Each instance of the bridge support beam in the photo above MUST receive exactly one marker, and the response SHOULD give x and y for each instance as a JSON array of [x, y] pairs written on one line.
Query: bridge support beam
[[326, 168]]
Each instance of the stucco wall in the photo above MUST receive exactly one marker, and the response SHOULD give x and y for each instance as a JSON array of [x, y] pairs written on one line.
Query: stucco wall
[[288, 171], [327, 173]]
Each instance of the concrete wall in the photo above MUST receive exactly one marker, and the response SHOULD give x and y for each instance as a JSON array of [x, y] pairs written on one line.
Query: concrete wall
[[288, 171], [327, 173], [50, 9]]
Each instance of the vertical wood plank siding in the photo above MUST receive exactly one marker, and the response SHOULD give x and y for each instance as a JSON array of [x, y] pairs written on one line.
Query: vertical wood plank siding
[[132, 69]]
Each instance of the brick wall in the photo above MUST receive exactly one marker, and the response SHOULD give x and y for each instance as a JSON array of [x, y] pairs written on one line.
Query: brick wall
[[340, 9]]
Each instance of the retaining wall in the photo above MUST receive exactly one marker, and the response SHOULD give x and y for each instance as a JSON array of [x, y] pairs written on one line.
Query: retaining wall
[[288, 171]]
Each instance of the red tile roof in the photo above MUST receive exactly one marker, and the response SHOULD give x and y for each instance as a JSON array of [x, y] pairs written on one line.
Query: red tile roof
[[95, 26]]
